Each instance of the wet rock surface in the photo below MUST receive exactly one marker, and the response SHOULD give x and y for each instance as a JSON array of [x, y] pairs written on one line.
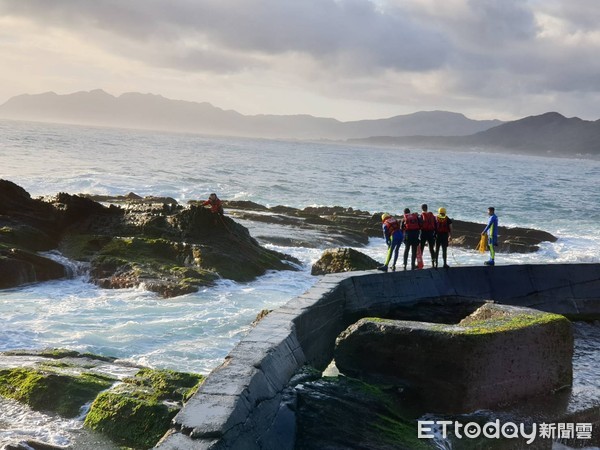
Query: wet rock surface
[[131, 405], [170, 249], [339, 226], [343, 260], [498, 355]]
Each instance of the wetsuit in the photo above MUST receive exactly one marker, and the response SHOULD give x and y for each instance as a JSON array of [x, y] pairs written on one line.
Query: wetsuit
[[492, 231], [393, 235], [428, 233], [443, 228], [411, 226]]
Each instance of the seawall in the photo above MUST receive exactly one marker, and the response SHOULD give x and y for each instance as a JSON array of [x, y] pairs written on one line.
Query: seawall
[[246, 404]]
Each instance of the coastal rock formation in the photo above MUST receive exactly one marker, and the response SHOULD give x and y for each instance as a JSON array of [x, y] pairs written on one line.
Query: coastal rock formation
[[139, 411], [167, 248], [338, 226], [497, 355], [133, 406], [342, 260]]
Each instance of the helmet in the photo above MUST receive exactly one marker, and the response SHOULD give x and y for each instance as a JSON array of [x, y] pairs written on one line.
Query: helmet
[[384, 216], [442, 210]]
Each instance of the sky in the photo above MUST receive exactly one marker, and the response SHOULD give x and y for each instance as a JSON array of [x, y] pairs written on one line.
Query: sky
[[346, 59]]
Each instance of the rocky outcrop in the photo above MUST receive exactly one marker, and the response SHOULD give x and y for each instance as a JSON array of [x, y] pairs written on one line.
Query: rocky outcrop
[[342, 260], [133, 406], [497, 355], [152, 241], [364, 416], [338, 226], [139, 411]]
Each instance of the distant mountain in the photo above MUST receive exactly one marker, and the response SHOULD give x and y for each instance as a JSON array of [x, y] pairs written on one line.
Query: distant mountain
[[547, 134], [147, 111]]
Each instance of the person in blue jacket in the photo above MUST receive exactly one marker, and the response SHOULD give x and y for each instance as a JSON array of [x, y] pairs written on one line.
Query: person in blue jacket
[[392, 232], [492, 231]]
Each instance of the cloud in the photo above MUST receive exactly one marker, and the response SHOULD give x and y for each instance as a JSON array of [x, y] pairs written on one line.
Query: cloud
[[410, 53]]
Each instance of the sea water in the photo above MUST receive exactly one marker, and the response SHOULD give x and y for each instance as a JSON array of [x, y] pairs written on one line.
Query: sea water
[[196, 331]]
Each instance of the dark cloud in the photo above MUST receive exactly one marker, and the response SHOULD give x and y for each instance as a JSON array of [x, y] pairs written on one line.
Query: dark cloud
[[478, 49], [346, 30]]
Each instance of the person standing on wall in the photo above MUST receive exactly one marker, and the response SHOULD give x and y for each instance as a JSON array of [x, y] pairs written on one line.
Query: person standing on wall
[[428, 232], [392, 232], [443, 230], [492, 231], [411, 226]]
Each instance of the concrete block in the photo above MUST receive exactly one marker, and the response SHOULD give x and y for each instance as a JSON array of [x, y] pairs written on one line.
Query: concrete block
[[512, 354], [180, 441], [210, 416]]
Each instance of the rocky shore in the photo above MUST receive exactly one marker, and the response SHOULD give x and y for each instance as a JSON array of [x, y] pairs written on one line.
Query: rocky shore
[[172, 249], [154, 242]]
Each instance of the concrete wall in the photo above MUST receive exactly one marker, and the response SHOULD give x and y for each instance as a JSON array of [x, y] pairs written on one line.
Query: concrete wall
[[246, 404]]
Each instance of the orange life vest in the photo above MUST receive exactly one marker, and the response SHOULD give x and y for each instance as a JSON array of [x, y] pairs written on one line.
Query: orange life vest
[[411, 222], [428, 221], [392, 225]]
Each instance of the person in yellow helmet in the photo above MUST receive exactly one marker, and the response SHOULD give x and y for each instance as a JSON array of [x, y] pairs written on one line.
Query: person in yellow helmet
[[392, 233], [443, 230]]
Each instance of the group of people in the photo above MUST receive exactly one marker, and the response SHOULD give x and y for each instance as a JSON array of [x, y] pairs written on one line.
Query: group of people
[[419, 231], [416, 231]]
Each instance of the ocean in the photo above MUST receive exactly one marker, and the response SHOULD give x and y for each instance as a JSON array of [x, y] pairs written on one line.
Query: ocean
[[195, 332]]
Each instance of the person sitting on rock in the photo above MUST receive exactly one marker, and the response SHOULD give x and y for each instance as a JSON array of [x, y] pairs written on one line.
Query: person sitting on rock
[[216, 208], [392, 232], [216, 205]]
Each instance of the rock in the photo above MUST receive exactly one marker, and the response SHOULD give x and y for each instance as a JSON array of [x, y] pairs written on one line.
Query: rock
[[131, 405], [152, 242], [343, 260], [138, 412], [33, 445], [341, 412], [19, 267], [498, 355], [47, 389], [350, 227]]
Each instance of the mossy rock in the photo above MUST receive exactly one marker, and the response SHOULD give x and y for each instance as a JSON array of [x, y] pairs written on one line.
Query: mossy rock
[[498, 355], [343, 260], [138, 412], [47, 390]]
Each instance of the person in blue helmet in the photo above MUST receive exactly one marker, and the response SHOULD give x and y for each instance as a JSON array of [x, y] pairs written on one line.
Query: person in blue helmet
[[492, 231], [392, 232]]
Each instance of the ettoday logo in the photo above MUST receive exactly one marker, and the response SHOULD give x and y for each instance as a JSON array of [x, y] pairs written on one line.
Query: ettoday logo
[[430, 429]]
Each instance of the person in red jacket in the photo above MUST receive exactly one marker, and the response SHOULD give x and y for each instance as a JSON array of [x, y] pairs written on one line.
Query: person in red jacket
[[216, 205], [428, 232], [411, 226]]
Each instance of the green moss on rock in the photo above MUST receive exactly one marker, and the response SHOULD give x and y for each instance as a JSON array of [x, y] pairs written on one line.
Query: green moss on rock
[[138, 412], [46, 390]]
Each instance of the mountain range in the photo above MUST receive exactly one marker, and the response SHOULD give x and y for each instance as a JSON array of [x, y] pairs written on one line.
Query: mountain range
[[549, 133], [148, 111]]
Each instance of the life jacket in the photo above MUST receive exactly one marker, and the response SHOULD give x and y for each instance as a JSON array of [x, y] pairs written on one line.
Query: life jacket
[[392, 225], [411, 222], [442, 224], [428, 221]]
